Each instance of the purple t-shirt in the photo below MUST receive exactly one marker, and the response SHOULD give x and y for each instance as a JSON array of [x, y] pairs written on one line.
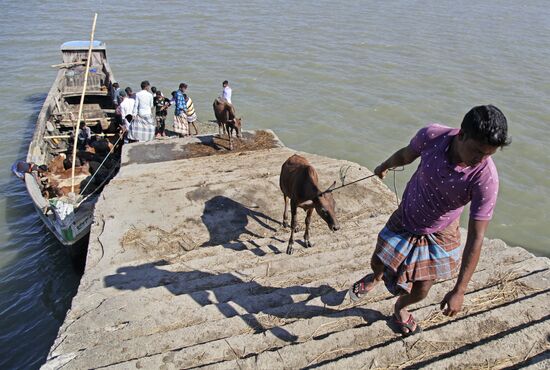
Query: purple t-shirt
[[438, 191]]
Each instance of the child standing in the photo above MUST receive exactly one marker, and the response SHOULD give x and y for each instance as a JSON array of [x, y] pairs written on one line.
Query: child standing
[[161, 111]]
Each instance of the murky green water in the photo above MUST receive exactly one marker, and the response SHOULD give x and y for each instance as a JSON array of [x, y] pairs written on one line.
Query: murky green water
[[351, 81]]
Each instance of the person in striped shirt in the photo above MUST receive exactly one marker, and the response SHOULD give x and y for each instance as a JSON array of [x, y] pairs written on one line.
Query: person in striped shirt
[[191, 114]]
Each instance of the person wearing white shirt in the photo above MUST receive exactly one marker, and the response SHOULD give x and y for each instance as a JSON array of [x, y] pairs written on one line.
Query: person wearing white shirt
[[142, 127], [124, 110], [144, 101], [126, 105], [226, 93]]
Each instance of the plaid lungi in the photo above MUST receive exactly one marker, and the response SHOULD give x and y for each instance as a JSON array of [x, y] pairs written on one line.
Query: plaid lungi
[[180, 125], [408, 257], [142, 128]]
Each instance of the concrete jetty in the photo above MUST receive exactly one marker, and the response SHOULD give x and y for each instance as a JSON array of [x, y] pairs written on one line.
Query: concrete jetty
[[186, 268]]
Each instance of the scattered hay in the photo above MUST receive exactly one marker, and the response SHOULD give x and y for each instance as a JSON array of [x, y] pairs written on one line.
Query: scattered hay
[[490, 364], [427, 349], [362, 302], [507, 289], [132, 236], [220, 145], [269, 321], [237, 354], [153, 239], [329, 354], [503, 363]]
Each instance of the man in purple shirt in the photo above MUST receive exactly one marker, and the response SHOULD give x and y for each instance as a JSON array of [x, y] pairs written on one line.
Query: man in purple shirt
[[421, 241]]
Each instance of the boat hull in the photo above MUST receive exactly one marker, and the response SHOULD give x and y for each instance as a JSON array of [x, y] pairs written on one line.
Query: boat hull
[[57, 118]]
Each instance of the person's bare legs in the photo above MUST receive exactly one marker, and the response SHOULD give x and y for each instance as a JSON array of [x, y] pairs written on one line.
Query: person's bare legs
[[377, 271], [371, 280], [418, 292]]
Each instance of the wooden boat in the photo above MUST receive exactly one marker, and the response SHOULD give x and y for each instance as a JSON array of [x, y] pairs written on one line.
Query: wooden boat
[[69, 216]]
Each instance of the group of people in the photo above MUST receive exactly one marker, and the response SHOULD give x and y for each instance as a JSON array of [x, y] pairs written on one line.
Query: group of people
[[142, 116]]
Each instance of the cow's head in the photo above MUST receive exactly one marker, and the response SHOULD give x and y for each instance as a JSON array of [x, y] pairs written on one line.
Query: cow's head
[[326, 208], [238, 125]]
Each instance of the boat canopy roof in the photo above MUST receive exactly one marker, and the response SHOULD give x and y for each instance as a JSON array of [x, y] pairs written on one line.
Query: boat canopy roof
[[82, 45]]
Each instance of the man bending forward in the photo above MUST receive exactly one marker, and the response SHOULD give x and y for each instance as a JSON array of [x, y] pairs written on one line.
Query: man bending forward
[[421, 240]]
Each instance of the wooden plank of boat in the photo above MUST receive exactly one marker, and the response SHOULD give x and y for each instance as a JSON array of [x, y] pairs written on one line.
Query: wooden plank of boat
[[95, 119], [68, 65], [112, 111], [89, 92]]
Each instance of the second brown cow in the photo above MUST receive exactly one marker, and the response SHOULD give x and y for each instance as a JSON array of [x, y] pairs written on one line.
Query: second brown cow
[[227, 119], [299, 182]]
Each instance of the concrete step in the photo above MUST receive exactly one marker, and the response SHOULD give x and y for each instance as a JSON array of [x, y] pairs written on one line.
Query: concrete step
[[203, 302], [456, 342], [359, 346], [175, 298], [322, 318], [262, 249], [525, 345]]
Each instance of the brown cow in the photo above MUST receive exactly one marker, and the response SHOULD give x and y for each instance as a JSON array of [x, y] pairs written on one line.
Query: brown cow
[[56, 164], [299, 182], [226, 118], [60, 183]]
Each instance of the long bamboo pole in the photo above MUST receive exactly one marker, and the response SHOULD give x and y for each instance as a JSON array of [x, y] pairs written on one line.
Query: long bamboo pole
[[82, 101]]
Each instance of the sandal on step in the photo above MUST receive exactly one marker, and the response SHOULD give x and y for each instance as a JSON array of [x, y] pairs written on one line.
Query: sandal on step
[[359, 289], [410, 324]]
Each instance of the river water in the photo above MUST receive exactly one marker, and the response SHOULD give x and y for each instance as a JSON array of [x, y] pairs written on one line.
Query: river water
[[351, 80]]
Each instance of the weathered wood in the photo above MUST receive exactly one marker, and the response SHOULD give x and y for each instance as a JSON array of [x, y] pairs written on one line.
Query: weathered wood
[[112, 111], [90, 92], [67, 65], [82, 100], [88, 119]]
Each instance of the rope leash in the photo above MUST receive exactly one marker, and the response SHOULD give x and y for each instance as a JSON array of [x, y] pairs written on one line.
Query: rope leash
[[96, 171], [343, 173]]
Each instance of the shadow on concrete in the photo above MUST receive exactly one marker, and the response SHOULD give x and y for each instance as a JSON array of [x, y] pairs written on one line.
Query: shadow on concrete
[[209, 141], [227, 290], [227, 220]]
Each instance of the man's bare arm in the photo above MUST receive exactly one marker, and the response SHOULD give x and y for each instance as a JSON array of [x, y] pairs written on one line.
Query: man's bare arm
[[402, 157], [452, 303]]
